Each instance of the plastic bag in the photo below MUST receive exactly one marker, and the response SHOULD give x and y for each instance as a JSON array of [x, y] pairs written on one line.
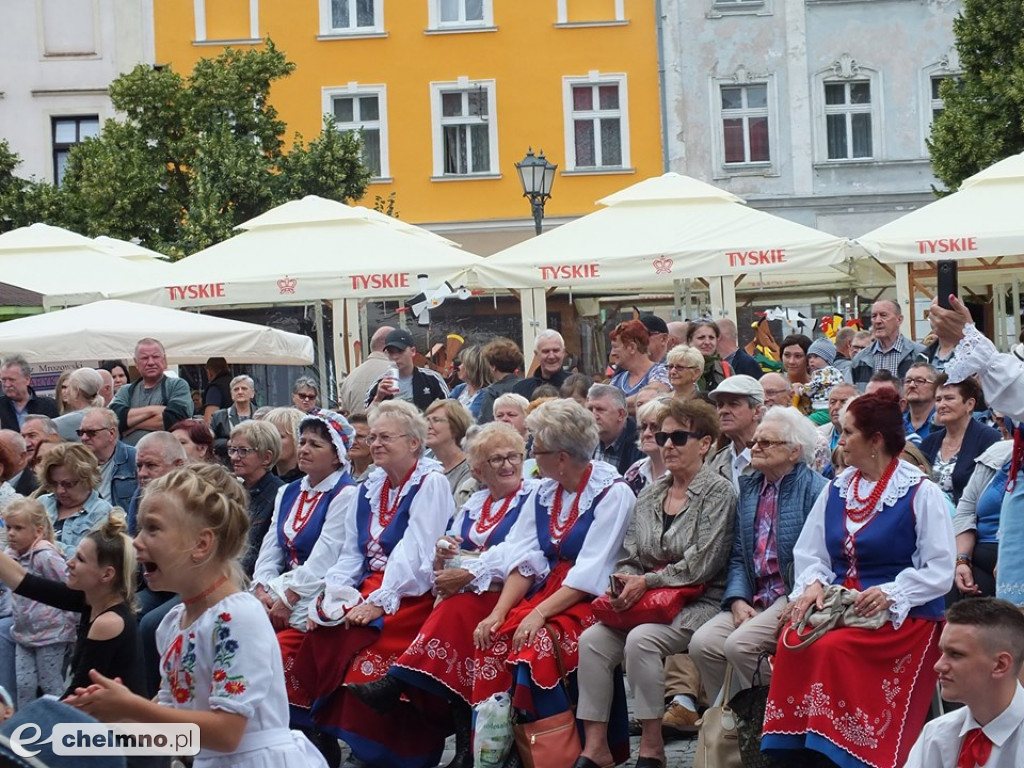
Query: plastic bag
[[492, 735]]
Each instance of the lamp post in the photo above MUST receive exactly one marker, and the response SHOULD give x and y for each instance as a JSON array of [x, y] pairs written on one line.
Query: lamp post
[[537, 176]]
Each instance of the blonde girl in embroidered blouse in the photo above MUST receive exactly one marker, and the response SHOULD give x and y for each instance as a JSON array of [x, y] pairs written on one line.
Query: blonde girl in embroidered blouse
[[220, 668]]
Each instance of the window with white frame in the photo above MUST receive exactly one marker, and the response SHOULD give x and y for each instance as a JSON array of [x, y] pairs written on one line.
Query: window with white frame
[[937, 104], [67, 132], [465, 128], [363, 109], [848, 120], [449, 14], [597, 128], [745, 123], [590, 11], [351, 17]]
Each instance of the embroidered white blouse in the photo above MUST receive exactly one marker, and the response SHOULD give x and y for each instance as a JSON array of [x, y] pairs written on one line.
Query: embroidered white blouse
[[307, 579], [600, 550], [1002, 375], [933, 561], [409, 569]]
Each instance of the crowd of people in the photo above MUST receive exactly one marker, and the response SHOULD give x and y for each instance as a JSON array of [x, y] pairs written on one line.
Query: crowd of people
[[293, 577]]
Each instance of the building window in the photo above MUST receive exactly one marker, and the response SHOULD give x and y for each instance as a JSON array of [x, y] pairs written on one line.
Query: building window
[[217, 21], [937, 104], [586, 12], [448, 14], [848, 119], [348, 17], [68, 131], [745, 123], [465, 128], [363, 109], [597, 130]]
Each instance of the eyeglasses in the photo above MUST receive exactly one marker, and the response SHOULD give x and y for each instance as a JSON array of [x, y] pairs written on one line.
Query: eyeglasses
[[383, 439], [497, 462], [240, 452], [648, 425], [537, 452], [763, 444], [678, 437], [917, 380], [91, 433], [66, 485], [305, 397], [437, 419], [682, 367]]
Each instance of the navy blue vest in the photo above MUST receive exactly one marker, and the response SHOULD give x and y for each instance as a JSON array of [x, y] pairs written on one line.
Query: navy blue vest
[[569, 547], [885, 546], [498, 533], [391, 535], [296, 551]]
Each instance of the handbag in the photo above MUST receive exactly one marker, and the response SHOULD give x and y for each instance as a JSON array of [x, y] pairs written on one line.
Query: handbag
[[838, 611], [748, 706], [656, 606], [718, 743], [551, 742]]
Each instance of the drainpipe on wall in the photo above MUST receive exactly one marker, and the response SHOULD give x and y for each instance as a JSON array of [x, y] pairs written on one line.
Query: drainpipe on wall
[[660, 26]]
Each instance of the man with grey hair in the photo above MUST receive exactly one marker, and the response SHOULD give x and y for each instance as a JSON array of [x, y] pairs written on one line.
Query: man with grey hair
[[19, 399], [844, 351], [740, 404], [22, 479], [890, 351], [730, 350], [157, 454], [153, 402], [118, 478], [38, 429], [616, 429], [364, 375], [549, 352]]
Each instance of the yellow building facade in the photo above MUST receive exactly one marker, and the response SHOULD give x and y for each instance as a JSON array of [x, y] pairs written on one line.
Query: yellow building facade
[[451, 93]]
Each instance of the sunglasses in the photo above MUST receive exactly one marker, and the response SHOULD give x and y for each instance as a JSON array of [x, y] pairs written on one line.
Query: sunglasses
[[678, 437]]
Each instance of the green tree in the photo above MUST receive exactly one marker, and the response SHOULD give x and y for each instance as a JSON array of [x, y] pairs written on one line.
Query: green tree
[[983, 117], [191, 158]]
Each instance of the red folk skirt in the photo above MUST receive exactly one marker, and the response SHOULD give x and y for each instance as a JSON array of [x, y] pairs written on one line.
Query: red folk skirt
[[494, 667], [858, 696], [443, 650]]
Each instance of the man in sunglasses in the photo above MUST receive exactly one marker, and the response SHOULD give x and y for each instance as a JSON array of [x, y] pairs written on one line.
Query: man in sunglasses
[[740, 403], [118, 478]]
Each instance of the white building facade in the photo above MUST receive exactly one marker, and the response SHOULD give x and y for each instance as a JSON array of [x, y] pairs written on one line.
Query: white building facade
[[816, 110], [57, 60]]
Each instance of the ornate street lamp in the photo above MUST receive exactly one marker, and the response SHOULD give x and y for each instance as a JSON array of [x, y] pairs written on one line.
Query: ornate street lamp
[[537, 176]]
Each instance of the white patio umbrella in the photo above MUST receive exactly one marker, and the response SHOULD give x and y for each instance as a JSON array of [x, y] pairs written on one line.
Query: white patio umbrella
[[658, 230], [129, 250], [67, 267], [306, 250], [109, 329]]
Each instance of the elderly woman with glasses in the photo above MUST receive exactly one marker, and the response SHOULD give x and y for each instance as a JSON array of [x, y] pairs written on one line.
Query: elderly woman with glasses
[[439, 662], [679, 536], [773, 504], [253, 449], [563, 551], [685, 366], [74, 506], [648, 469], [377, 594]]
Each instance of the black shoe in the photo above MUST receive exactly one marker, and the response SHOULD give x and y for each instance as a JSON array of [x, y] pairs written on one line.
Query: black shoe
[[326, 744], [381, 695], [462, 716]]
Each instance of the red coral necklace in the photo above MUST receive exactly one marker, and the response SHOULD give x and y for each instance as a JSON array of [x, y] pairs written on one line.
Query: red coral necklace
[[858, 509], [486, 522], [555, 528], [387, 513]]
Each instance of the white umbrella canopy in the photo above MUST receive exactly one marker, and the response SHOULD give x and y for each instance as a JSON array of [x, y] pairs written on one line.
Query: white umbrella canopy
[[129, 250], [110, 329], [980, 221], [67, 267], [658, 230], [306, 250]]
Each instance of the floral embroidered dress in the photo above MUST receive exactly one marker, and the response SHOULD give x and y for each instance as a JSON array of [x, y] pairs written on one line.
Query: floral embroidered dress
[[580, 555], [870, 713], [227, 660]]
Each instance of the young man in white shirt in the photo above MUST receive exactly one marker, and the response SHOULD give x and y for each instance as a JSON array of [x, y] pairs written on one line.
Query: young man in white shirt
[[982, 652]]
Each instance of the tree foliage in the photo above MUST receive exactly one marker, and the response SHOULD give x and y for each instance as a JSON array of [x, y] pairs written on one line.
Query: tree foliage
[[983, 117], [189, 158]]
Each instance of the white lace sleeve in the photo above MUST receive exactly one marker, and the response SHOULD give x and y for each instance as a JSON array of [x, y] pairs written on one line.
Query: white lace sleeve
[[934, 560], [268, 562], [811, 561], [1002, 375]]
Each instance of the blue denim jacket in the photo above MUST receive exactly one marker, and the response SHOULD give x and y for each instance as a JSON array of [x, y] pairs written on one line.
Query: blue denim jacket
[[94, 511], [124, 481]]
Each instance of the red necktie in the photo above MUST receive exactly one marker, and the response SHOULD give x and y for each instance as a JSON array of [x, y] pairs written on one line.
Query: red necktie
[[975, 750]]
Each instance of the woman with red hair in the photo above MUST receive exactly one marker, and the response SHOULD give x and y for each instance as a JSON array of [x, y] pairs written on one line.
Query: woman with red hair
[[882, 528], [636, 371]]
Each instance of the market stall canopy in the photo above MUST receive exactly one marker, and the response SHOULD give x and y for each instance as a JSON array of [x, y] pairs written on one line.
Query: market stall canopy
[[68, 268], [129, 250], [980, 221], [109, 330], [662, 229], [310, 249]]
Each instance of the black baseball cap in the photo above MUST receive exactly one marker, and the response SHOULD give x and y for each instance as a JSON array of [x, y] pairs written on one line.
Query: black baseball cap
[[654, 324], [400, 339]]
